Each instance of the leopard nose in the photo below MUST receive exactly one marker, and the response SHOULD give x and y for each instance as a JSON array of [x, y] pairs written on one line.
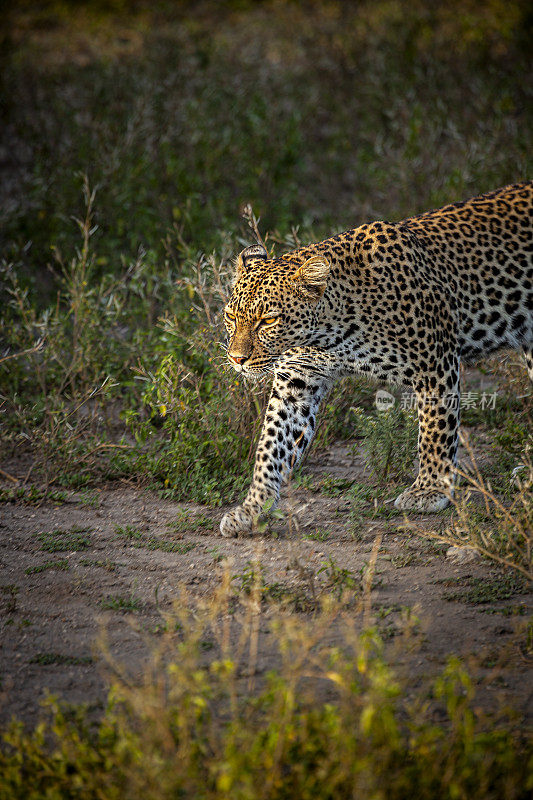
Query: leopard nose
[[238, 359]]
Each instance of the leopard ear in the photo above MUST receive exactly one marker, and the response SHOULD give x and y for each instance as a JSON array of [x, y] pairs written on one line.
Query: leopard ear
[[311, 277], [255, 252]]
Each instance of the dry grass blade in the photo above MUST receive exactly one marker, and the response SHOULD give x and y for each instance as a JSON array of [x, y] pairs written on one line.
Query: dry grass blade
[[503, 533]]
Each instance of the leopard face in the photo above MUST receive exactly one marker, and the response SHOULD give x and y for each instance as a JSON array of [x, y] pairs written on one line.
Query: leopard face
[[272, 309]]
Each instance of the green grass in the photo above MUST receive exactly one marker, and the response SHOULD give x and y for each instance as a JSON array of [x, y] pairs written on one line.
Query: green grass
[[507, 611], [129, 532], [189, 521], [32, 495], [417, 106], [154, 543], [119, 374], [136, 538], [339, 579], [390, 439], [60, 541], [90, 499], [115, 602], [61, 564], [296, 598], [59, 659], [331, 486], [484, 590], [327, 721], [317, 536], [10, 592]]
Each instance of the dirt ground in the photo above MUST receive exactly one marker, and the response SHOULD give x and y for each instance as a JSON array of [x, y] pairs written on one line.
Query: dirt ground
[[67, 569]]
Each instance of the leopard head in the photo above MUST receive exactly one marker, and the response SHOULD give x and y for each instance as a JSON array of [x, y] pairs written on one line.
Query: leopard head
[[273, 307]]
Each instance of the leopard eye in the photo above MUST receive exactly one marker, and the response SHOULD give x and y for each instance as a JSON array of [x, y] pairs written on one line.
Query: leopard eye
[[229, 315], [268, 320]]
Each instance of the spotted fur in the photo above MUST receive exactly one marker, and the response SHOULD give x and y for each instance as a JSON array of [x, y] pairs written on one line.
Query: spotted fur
[[401, 302]]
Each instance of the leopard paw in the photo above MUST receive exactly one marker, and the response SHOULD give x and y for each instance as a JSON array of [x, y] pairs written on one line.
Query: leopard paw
[[238, 520], [415, 499]]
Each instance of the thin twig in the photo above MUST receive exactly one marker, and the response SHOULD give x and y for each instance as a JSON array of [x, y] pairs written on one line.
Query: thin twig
[[253, 223], [8, 476], [35, 349]]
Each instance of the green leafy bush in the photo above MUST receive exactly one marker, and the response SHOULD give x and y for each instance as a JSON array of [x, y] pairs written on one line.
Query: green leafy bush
[[389, 440], [326, 723]]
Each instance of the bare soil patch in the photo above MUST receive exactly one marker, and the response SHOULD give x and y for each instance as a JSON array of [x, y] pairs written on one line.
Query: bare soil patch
[[119, 558]]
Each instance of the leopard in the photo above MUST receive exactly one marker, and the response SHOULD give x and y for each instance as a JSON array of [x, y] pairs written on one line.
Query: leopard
[[403, 303]]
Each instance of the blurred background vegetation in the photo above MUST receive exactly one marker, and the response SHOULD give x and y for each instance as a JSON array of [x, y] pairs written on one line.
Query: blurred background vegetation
[[133, 135], [326, 114]]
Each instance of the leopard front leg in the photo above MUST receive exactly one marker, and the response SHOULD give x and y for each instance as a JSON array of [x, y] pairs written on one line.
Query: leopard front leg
[[288, 428], [438, 421]]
